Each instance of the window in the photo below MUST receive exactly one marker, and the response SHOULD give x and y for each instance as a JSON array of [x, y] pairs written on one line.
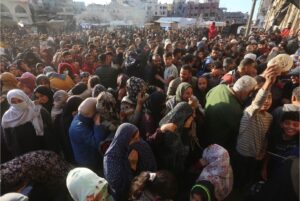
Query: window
[[3, 8], [20, 9]]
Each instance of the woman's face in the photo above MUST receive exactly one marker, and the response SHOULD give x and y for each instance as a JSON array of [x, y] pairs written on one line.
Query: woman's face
[[135, 138], [41, 99], [267, 104], [16, 101], [187, 94], [44, 83]]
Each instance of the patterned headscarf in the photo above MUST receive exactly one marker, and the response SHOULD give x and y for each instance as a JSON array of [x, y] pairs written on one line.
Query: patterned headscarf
[[218, 171], [115, 164], [98, 88], [134, 86], [106, 105]]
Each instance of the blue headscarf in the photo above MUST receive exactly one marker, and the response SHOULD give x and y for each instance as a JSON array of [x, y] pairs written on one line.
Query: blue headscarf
[[115, 164]]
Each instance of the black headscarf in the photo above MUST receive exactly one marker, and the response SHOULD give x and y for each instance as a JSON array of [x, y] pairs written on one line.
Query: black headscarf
[[155, 104], [47, 92]]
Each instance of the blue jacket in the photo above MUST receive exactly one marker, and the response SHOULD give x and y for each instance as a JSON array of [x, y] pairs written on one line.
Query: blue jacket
[[85, 138]]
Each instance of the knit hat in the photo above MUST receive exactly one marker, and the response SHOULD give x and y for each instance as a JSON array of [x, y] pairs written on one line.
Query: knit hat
[[28, 80], [83, 184], [250, 56]]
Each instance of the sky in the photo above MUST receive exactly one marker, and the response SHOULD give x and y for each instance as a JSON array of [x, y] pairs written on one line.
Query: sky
[[231, 5]]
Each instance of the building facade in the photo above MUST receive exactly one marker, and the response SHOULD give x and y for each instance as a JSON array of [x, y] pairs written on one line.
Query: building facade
[[15, 11]]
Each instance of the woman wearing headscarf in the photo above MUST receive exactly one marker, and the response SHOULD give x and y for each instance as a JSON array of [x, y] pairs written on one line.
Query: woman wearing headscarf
[[118, 163], [37, 168], [59, 100], [184, 93], [106, 108], [98, 88], [217, 170], [42, 80], [81, 90], [155, 108], [13, 197], [44, 97], [132, 103], [146, 158], [176, 139], [62, 124], [26, 126], [86, 133], [84, 184]]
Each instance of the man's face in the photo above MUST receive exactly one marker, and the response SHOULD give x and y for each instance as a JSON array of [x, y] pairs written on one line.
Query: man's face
[[295, 79], [168, 61], [185, 75], [89, 59], [108, 59], [214, 54], [251, 70], [40, 70], [157, 61], [290, 128], [68, 58], [202, 83]]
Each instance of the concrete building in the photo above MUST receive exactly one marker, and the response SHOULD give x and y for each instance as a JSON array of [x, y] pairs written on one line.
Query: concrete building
[[115, 11], [281, 12], [78, 7], [238, 17], [262, 12], [15, 11]]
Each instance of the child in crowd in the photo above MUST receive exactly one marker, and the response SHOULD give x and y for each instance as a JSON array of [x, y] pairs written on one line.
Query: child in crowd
[[171, 71], [283, 144], [251, 141]]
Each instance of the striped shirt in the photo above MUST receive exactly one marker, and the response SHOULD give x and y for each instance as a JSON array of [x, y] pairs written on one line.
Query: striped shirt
[[251, 141]]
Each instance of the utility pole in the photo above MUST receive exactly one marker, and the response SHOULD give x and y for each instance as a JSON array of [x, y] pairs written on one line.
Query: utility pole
[[250, 19]]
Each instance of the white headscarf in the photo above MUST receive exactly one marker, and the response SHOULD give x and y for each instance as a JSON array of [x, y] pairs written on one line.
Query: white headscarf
[[83, 184], [14, 117], [13, 197], [218, 170]]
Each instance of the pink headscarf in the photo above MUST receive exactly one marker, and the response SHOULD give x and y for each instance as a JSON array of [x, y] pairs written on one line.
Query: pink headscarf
[[218, 170]]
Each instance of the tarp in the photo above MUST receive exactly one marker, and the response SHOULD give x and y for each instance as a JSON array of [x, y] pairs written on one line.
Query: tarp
[[181, 21]]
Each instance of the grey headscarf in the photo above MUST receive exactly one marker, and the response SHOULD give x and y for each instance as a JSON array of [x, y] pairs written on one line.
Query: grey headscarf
[[60, 97]]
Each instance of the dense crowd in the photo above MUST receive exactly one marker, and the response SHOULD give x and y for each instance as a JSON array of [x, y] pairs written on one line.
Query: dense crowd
[[144, 114]]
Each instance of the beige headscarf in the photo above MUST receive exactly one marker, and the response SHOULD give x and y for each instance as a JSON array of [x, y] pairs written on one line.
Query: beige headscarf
[[88, 107], [8, 81]]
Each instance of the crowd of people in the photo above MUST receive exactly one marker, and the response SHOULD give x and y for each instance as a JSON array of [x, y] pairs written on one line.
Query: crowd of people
[[142, 114]]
